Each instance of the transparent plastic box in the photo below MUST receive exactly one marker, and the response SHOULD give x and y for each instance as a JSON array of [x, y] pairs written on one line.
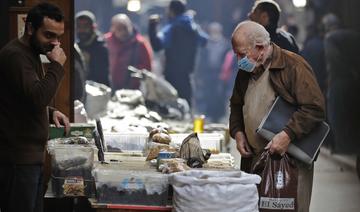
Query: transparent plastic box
[[133, 187], [71, 170], [211, 141], [125, 142]]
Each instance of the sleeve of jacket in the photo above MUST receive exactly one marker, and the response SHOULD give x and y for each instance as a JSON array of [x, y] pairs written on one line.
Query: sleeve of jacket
[[236, 120], [145, 56], [202, 37], [104, 64], [309, 98], [37, 92], [156, 41]]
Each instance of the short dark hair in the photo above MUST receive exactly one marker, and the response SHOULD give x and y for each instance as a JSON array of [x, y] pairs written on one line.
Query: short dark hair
[[36, 14], [271, 10], [178, 6]]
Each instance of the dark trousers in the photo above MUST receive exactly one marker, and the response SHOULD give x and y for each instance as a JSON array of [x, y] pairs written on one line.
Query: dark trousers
[[21, 188]]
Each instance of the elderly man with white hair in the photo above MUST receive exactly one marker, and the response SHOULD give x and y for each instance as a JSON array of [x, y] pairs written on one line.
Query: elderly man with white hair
[[265, 72]]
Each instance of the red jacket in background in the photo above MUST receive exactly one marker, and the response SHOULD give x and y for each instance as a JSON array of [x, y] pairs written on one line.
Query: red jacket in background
[[136, 51]]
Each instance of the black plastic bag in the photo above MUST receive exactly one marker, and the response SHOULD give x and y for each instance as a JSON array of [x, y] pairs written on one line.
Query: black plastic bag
[[278, 187]]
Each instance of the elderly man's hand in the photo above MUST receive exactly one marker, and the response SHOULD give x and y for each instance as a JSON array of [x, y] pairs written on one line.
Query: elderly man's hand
[[279, 144], [60, 119], [242, 145]]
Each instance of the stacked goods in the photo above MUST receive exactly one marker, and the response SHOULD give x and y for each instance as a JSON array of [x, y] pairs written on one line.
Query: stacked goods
[[220, 161], [159, 141]]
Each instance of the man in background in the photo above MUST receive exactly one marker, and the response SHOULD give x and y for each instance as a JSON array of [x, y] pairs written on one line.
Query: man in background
[[267, 13], [93, 47], [26, 91], [180, 38], [126, 48], [210, 98]]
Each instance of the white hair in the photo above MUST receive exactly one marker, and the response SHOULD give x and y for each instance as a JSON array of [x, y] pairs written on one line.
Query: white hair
[[123, 19], [254, 33]]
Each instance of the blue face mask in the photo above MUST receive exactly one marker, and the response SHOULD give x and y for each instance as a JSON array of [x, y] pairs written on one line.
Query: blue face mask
[[246, 65]]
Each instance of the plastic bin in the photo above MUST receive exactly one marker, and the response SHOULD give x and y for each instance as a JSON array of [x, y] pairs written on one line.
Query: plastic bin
[[211, 141], [125, 142], [71, 170], [133, 187]]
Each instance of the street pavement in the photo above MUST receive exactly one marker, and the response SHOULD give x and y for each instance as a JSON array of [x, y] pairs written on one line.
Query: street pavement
[[336, 187]]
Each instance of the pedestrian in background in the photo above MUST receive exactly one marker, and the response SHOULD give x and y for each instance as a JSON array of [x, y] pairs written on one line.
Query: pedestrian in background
[[267, 13], [265, 72], [210, 93], [340, 45], [26, 91], [127, 47], [80, 70], [93, 47], [180, 39]]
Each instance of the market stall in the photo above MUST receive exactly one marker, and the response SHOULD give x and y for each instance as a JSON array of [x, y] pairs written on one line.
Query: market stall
[[125, 156]]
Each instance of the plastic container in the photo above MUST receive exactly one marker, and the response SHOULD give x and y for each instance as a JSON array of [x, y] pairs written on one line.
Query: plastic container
[[211, 141], [125, 142], [133, 187], [71, 170], [199, 123]]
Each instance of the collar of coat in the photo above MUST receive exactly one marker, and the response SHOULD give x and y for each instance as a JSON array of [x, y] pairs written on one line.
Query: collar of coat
[[277, 58]]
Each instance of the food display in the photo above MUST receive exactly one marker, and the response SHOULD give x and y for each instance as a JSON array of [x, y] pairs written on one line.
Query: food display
[[153, 150]]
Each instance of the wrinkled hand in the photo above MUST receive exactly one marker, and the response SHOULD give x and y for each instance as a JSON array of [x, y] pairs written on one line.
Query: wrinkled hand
[[57, 54], [279, 144], [242, 145], [60, 119]]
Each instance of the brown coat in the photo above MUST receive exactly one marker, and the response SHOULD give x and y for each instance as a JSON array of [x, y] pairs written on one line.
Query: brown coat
[[293, 79]]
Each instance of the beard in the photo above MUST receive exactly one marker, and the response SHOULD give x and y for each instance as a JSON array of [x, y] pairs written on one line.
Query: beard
[[40, 48], [84, 37]]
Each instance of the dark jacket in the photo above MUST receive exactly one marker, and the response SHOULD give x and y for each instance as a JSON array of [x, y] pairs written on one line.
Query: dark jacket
[[79, 75], [341, 47], [292, 79], [97, 59], [180, 39], [283, 39], [314, 53], [25, 93]]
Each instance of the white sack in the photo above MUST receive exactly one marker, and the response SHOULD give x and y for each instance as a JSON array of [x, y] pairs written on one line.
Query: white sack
[[204, 190]]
